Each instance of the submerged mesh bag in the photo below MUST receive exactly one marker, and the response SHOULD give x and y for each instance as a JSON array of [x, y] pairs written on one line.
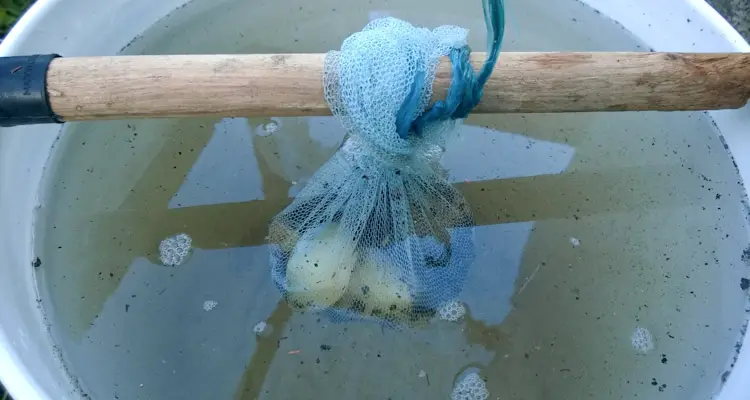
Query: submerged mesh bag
[[379, 233]]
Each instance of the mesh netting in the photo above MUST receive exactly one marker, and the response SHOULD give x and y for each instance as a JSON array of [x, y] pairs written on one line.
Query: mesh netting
[[379, 233]]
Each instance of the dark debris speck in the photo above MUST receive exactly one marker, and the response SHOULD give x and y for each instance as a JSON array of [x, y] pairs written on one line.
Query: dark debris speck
[[744, 283], [36, 263], [746, 255], [325, 347]]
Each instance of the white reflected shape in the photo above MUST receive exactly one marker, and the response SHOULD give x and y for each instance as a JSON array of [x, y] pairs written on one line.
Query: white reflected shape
[[226, 170], [158, 314], [326, 131], [479, 154], [491, 282]]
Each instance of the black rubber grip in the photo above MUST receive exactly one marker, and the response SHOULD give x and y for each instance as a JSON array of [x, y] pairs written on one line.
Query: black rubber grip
[[23, 90]]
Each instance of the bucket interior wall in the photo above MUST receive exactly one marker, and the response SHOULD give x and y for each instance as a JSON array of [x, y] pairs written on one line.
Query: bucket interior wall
[[611, 247]]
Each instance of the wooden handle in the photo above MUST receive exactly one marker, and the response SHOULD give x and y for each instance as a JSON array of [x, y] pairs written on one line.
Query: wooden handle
[[86, 88]]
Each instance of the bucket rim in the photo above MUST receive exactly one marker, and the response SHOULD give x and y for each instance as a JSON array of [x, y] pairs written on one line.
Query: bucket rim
[[21, 383]]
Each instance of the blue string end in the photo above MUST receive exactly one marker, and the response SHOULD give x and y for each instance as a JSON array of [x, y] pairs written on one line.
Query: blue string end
[[466, 88]]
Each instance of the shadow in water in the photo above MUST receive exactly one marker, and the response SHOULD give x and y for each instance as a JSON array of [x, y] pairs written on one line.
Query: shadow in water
[[266, 347]]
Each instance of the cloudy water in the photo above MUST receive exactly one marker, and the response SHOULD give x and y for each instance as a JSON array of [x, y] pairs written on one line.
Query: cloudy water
[[609, 245]]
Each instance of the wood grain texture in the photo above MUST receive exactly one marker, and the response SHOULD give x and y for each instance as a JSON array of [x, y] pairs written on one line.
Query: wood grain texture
[[86, 88]]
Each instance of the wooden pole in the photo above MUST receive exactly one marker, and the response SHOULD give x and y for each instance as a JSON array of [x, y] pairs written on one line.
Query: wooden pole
[[88, 88]]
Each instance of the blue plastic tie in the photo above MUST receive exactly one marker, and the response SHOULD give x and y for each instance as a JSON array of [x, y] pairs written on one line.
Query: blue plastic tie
[[466, 87]]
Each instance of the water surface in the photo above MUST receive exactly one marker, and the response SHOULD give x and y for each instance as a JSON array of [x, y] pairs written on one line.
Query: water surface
[[590, 227]]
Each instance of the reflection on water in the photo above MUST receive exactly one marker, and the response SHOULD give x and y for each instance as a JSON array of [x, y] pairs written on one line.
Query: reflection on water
[[589, 227]]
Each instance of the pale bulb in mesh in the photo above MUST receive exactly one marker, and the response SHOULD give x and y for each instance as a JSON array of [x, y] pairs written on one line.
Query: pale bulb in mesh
[[174, 250], [319, 269], [452, 311], [471, 387], [376, 284]]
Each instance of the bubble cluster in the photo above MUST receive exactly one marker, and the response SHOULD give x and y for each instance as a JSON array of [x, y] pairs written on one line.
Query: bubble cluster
[[209, 305], [268, 128], [642, 340], [452, 311], [471, 387], [174, 250], [260, 327], [271, 127]]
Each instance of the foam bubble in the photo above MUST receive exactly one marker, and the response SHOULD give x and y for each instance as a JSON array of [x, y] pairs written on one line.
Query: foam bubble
[[209, 305], [174, 250], [452, 311], [575, 242], [268, 128], [642, 340], [471, 387], [260, 327]]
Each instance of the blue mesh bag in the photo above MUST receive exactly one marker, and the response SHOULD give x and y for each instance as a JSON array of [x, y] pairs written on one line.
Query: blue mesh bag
[[379, 233]]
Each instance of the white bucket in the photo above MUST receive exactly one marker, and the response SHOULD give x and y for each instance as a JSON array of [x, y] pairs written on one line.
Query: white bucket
[[29, 363]]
